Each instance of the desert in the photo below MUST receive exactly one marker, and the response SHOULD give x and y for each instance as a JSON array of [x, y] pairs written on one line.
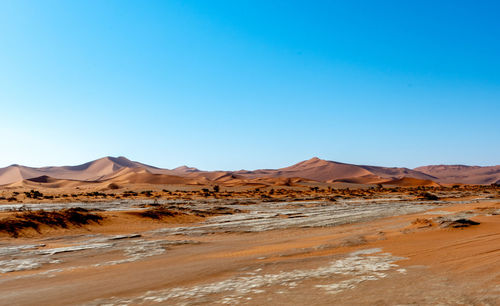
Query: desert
[[249, 153], [118, 232]]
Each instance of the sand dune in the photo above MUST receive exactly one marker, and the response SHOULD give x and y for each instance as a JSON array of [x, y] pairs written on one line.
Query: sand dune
[[91, 171], [233, 181], [185, 169], [97, 170], [10, 175], [393, 172], [143, 176], [48, 182], [212, 175], [322, 170], [410, 181], [364, 179], [330, 171], [16, 173], [463, 174], [123, 170]]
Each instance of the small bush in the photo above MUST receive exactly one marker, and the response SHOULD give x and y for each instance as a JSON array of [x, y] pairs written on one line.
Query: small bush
[[147, 193], [14, 226], [428, 196], [113, 186], [34, 194], [158, 213]]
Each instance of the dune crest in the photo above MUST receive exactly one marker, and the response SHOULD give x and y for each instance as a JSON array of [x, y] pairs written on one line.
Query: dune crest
[[122, 170], [463, 174]]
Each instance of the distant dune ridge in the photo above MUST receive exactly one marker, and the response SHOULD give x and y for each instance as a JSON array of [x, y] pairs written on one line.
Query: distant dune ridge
[[463, 174], [121, 170]]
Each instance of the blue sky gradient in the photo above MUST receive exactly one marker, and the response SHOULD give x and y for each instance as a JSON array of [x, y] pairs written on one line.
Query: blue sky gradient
[[250, 84]]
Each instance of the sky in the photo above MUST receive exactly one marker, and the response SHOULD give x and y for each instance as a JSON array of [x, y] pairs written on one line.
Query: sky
[[250, 84]]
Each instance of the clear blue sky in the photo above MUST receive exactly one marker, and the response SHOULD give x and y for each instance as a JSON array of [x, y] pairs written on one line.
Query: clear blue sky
[[250, 84]]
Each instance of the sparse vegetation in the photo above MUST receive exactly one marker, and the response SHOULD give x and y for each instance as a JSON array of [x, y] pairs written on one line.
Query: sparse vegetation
[[428, 196], [129, 193], [96, 194], [271, 192], [158, 212], [113, 186], [34, 219], [34, 194], [147, 193]]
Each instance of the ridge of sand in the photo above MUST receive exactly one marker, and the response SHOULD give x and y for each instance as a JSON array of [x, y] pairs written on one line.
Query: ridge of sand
[[364, 179], [463, 174], [315, 169], [410, 182], [47, 182], [143, 176], [329, 171]]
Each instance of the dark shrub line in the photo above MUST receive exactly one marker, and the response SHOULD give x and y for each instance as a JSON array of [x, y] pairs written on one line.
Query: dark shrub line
[[34, 219]]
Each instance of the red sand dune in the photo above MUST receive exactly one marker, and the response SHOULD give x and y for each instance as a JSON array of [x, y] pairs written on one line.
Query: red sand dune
[[463, 174], [365, 179], [47, 182], [143, 176], [329, 171], [410, 181], [123, 170]]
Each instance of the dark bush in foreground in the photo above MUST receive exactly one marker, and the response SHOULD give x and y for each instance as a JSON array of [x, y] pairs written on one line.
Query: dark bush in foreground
[[458, 223], [14, 226], [158, 213], [34, 219], [428, 196]]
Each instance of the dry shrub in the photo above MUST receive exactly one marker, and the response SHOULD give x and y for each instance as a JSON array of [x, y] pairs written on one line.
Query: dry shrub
[[158, 213], [428, 196], [458, 223], [113, 186], [34, 219], [422, 222]]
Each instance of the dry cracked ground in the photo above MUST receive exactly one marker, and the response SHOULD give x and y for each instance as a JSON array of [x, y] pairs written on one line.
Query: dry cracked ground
[[382, 251]]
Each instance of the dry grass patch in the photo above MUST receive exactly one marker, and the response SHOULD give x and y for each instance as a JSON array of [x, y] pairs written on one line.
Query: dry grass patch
[[35, 219]]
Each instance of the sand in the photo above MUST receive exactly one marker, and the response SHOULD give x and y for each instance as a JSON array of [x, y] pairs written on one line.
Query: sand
[[122, 170], [463, 174], [318, 232], [387, 249]]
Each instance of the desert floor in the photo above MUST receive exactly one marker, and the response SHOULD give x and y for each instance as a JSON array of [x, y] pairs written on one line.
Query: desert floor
[[384, 249]]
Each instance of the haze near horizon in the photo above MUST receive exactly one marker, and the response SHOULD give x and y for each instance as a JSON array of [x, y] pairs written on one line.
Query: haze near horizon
[[252, 84]]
